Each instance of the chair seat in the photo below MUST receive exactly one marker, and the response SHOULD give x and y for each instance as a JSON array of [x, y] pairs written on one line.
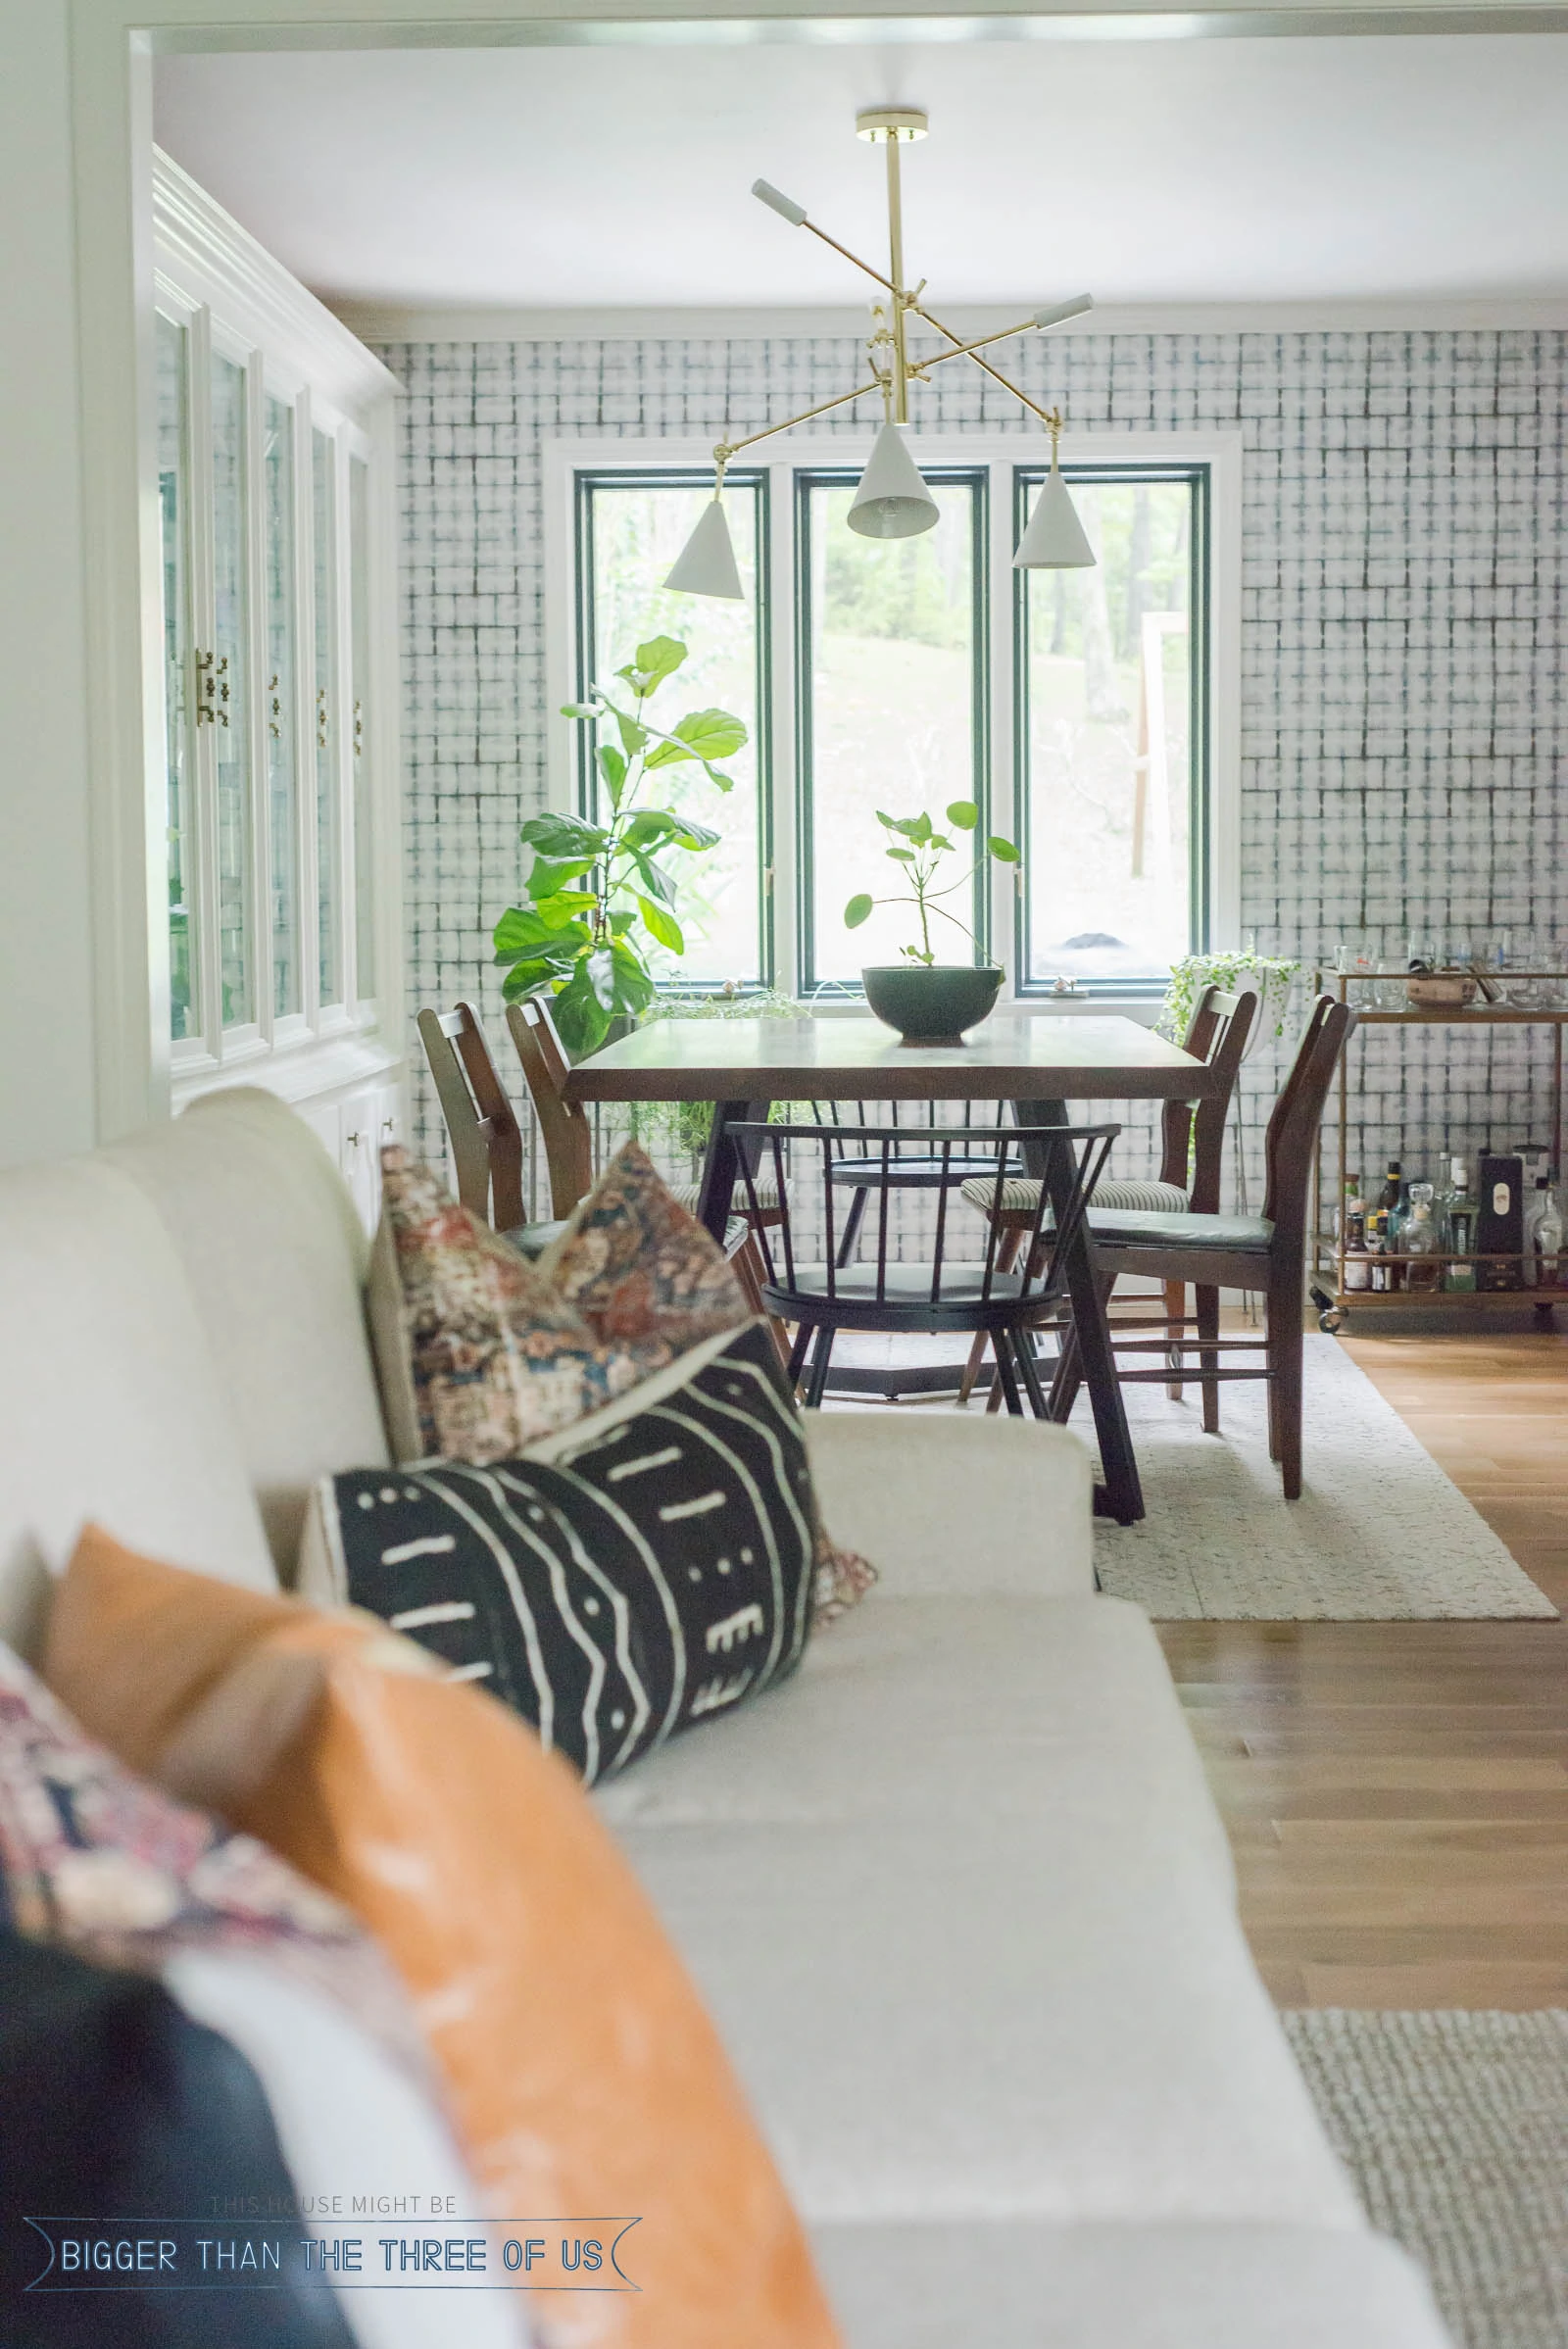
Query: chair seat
[[686, 1195], [1019, 1197], [1235, 1234], [905, 1287], [909, 1174], [532, 1239]]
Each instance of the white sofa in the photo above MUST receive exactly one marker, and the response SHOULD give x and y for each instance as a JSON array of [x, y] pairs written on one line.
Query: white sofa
[[956, 1894]]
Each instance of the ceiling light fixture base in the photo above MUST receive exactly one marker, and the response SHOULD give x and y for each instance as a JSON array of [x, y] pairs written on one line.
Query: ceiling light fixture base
[[903, 123]]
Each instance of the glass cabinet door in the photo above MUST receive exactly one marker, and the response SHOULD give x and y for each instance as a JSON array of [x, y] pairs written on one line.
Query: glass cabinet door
[[359, 688], [224, 685], [327, 827], [174, 501], [283, 773]]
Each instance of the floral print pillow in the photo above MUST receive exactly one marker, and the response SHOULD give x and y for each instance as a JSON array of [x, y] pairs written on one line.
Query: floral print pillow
[[503, 1352]]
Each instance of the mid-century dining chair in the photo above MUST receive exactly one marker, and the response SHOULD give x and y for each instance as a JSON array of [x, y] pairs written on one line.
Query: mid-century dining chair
[[1189, 1179], [481, 1126], [1264, 1253], [944, 1293]]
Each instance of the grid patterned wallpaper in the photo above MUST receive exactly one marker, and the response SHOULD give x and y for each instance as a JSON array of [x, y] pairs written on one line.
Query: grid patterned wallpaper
[[1404, 638]]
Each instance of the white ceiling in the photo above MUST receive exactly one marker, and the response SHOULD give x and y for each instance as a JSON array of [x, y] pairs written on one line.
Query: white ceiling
[[1192, 172]]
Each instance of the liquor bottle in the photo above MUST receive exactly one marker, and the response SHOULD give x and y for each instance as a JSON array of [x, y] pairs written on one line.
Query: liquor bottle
[[1377, 1240], [1358, 1272], [1500, 1221], [1548, 1243], [1458, 1228], [1420, 1240], [1535, 1211]]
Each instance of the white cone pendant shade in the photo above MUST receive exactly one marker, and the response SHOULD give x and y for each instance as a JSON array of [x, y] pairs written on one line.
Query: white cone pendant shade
[[706, 565], [1055, 540], [892, 501]]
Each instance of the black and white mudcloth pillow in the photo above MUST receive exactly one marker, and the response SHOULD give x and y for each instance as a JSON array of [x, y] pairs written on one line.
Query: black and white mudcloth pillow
[[643, 1570]]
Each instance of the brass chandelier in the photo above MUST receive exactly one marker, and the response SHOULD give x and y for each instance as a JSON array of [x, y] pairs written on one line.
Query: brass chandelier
[[893, 501]]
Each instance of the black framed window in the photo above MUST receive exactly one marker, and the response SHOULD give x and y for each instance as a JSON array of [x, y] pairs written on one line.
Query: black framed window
[[631, 528], [891, 681], [1112, 737]]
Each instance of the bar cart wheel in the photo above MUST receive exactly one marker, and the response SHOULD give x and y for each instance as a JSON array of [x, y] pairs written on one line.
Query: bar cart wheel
[[1330, 1317], [1543, 1320]]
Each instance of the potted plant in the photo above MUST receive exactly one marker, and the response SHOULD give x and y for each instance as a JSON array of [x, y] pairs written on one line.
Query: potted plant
[[1272, 976], [593, 888], [926, 1001]]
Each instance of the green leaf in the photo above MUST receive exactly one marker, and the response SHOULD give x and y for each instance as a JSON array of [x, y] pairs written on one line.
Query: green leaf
[[622, 919], [656, 880], [612, 766], [940, 842], [578, 709], [649, 828], [662, 925], [918, 829], [631, 979], [563, 836], [900, 855], [1002, 849], [963, 814], [660, 658], [581, 1013], [568, 905], [521, 931], [693, 836], [858, 910], [632, 736], [702, 734], [551, 873], [886, 820], [526, 978], [719, 781]]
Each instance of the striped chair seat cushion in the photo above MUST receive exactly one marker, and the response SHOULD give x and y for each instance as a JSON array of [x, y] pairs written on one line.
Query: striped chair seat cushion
[[1021, 1196], [686, 1193]]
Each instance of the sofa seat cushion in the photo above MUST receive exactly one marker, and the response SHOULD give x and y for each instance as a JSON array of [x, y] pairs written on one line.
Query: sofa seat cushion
[[1128, 2286], [962, 1908]]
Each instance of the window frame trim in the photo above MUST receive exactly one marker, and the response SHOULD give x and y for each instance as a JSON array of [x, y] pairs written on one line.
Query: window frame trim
[[1220, 451]]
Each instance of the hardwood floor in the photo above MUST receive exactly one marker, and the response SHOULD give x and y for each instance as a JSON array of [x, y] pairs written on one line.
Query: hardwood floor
[[1396, 1794]]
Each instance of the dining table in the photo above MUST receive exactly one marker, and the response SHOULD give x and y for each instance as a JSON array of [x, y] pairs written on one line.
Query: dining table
[[1035, 1061]]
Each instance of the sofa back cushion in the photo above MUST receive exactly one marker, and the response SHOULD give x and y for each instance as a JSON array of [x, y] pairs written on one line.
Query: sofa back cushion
[[110, 1404], [276, 1257]]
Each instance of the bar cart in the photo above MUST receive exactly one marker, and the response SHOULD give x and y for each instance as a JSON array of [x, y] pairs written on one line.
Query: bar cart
[[1331, 1254]]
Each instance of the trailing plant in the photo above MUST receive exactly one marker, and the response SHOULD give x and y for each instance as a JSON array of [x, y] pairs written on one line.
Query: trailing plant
[[920, 848], [685, 1126], [1272, 976], [593, 888]]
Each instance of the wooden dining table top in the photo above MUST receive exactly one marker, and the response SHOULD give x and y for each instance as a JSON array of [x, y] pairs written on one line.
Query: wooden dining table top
[[1014, 1057]]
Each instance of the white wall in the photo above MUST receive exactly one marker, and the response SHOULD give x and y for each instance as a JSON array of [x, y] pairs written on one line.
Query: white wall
[[46, 1024]]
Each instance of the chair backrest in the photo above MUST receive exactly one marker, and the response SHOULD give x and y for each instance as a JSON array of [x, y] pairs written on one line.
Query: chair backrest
[[568, 1135], [481, 1123], [1195, 1131], [1070, 1160], [1290, 1147]]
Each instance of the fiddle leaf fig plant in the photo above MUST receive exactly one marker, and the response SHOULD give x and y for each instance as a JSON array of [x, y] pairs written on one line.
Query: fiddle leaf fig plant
[[597, 892], [920, 848]]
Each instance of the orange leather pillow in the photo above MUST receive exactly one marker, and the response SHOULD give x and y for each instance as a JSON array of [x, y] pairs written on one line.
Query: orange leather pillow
[[584, 2073]]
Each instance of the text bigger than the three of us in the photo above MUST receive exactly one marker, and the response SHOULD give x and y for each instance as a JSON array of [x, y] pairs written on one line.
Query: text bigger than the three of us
[[103, 2257]]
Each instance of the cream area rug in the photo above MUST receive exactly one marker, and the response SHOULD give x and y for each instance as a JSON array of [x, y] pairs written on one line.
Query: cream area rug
[[1379, 1532], [1455, 2129]]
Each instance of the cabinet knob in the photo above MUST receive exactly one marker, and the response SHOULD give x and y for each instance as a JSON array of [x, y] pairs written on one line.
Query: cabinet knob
[[354, 1141]]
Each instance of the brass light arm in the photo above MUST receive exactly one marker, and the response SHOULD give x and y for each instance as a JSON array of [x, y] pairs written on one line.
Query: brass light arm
[[726, 449], [967, 350], [886, 283], [985, 365]]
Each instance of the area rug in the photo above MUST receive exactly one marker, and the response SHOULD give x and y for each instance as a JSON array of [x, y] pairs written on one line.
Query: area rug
[[1379, 1534], [1455, 2129]]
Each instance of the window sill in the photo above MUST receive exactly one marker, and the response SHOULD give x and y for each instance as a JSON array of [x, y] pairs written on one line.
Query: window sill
[[296, 1072]]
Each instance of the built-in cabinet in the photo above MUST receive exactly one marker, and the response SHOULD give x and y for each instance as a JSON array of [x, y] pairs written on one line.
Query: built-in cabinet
[[278, 955]]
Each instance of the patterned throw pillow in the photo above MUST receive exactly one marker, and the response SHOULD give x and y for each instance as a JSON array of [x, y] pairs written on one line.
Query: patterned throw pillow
[[504, 1351], [644, 1571]]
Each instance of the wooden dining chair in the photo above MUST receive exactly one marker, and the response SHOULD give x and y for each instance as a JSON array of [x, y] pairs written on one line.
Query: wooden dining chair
[[1193, 1136], [1264, 1253], [569, 1140], [481, 1126]]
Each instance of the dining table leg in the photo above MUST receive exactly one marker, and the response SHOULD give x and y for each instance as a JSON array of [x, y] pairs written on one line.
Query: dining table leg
[[1121, 1496], [722, 1167]]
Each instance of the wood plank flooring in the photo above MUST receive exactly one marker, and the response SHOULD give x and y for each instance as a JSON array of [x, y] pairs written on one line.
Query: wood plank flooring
[[1396, 1794]]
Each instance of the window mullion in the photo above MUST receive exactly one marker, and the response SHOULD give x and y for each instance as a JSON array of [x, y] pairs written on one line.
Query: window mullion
[[204, 634]]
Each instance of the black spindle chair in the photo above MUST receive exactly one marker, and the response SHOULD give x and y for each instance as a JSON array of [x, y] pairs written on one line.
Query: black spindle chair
[[939, 1293], [917, 1161]]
